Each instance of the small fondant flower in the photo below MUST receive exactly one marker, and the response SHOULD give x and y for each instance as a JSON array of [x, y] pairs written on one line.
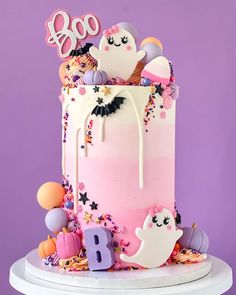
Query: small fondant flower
[[163, 115], [166, 92], [82, 90], [81, 186], [167, 102]]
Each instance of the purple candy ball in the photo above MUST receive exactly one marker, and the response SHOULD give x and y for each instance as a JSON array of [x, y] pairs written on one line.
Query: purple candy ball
[[56, 219], [69, 205], [145, 82], [152, 51]]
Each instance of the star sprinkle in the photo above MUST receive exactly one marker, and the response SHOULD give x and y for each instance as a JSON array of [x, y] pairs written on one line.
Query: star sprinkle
[[106, 90], [83, 198], [88, 217], [96, 89], [94, 206], [99, 100], [159, 89]]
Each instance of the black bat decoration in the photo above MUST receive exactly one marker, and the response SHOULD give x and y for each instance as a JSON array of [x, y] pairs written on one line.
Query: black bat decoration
[[109, 108], [81, 50]]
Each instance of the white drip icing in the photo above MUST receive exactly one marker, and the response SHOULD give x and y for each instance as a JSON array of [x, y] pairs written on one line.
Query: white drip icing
[[63, 164], [82, 114], [101, 128], [139, 111], [76, 170]]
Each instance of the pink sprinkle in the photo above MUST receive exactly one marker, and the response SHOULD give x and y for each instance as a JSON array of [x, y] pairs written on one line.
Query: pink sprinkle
[[81, 186], [106, 48], [163, 115], [128, 47], [80, 208], [150, 225], [82, 90], [169, 227]]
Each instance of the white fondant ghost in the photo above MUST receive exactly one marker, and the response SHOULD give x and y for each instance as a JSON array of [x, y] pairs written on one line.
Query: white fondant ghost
[[158, 237], [117, 54]]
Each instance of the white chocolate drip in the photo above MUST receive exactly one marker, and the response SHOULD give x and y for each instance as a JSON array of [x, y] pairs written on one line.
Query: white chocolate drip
[[101, 128], [81, 109]]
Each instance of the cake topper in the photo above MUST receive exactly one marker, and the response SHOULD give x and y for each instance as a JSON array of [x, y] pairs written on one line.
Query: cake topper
[[117, 54], [158, 237], [65, 33]]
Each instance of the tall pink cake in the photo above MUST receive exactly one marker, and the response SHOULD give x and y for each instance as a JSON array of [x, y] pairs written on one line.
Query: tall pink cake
[[116, 209]]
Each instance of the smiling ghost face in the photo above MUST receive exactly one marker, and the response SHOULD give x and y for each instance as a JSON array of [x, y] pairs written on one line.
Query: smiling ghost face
[[118, 56], [120, 42], [163, 221]]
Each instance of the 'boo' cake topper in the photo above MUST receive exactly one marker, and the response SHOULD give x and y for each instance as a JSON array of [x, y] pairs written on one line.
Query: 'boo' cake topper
[[65, 33]]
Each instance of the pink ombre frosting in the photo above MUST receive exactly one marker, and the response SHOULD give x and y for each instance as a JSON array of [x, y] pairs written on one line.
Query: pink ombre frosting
[[109, 166]]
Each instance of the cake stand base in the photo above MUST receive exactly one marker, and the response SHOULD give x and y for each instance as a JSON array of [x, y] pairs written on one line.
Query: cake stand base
[[30, 276]]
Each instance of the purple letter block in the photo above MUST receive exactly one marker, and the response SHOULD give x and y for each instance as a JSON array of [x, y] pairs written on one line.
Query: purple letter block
[[100, 252]]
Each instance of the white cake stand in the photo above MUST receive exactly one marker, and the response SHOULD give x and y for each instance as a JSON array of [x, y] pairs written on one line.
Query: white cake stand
[[212, 277]]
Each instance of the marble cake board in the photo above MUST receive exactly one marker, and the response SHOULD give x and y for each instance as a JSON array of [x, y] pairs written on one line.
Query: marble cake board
[[142, 279]]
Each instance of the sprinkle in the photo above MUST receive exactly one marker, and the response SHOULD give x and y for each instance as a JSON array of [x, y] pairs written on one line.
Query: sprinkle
[[106, 90], [88, 217]]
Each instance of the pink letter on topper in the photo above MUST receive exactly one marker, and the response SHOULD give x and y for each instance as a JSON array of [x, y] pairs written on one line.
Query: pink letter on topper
[[66, 33]]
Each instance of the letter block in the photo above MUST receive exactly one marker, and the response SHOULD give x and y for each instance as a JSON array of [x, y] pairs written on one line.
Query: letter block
[[100, 251]]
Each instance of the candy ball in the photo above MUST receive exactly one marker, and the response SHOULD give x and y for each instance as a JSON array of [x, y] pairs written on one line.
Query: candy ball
[[152, 47], [145, 82], [50, 195], [128, 27], [194, 238], [69, 205], [56, 219]]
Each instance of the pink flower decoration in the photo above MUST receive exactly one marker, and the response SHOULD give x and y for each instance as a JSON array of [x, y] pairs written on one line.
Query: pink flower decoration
[[81, 186], [117, 265], [167, 102], [80, 208], [163, 115], [166, 92], [82, 90]]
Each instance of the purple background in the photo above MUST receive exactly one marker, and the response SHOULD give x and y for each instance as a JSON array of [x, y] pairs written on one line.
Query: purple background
[[198, 36]]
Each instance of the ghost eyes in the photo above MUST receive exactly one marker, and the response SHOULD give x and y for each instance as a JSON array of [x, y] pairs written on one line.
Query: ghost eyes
[[166, 220], [154, 219], [124, 40], [110, 40]]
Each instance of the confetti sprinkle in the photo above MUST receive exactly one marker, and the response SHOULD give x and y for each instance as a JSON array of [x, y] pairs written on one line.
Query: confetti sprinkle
[[75, 263], [106, 90], [88, 217]]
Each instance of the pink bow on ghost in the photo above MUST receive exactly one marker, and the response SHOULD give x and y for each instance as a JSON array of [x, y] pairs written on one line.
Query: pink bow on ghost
[[154, 210], [157, 209], [112, 30]]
